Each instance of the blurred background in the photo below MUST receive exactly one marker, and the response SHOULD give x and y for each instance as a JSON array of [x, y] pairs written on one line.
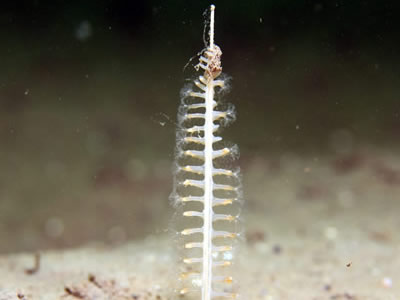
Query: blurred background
[[89, 92]]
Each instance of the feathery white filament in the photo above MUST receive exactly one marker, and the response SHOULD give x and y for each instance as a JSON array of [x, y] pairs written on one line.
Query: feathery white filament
[[200, 180]]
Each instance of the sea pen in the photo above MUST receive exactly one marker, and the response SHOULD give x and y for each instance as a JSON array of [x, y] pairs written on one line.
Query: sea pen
[[206, 189]]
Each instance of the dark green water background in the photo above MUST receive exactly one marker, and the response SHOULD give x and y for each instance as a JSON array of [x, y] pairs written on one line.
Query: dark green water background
[[89, 92]]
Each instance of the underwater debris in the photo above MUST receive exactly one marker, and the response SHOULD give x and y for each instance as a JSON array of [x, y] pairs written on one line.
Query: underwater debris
[[74, 292], [36, 266]]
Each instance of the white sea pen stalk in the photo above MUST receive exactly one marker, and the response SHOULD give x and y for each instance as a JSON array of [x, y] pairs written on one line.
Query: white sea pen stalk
[[208, 179], [200, 179], [212, 8]]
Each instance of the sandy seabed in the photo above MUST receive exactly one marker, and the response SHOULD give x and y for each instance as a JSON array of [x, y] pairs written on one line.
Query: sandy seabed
[[317, 228]]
